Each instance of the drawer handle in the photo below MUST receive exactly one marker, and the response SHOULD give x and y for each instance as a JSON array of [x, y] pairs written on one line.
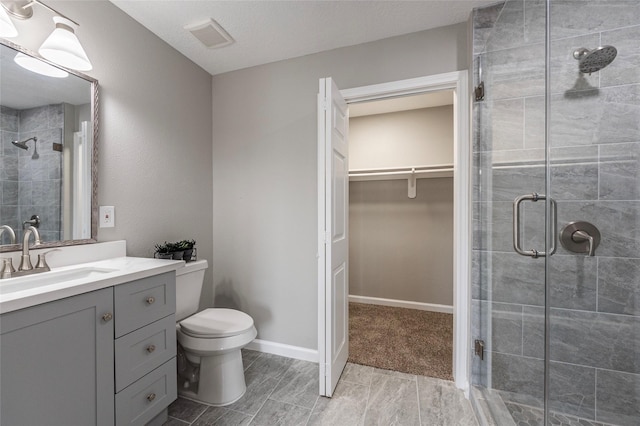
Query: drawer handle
[[151, 397], [151, 300], [151, 348], [107, 317]]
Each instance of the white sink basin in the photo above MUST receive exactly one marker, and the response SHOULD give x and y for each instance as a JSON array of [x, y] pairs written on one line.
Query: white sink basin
[[43, 279]]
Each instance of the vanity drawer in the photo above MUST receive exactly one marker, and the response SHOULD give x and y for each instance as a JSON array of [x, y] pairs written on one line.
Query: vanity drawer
[[143, 301], [146, 398], [141, 351]]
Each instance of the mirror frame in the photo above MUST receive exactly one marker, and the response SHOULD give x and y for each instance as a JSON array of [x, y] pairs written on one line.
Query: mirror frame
[[94, 160]]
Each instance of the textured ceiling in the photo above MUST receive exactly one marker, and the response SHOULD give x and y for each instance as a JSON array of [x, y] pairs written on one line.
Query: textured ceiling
[[268, 31]]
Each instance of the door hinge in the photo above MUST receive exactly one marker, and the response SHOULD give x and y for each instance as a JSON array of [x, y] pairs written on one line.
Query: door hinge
[[479, 348], [479, 91]]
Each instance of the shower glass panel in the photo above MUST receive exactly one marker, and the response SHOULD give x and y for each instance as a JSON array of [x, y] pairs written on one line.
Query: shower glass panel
[[559, 335]]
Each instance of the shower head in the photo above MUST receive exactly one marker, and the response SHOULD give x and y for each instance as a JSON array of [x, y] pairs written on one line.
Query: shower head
[[23, 144], [596, 59]]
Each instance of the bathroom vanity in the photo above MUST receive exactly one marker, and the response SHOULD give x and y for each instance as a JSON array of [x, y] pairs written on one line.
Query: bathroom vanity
[[85, 348]]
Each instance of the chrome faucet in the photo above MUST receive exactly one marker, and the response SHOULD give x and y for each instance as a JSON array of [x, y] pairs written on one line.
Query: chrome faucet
[[12, 235], [25, 262]]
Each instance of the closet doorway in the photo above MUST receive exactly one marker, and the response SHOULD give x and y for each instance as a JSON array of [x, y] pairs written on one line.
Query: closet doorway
[[401, 233], [332, 301]]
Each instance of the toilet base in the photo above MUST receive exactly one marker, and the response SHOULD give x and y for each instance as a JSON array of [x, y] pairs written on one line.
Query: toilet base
[[221, 380]]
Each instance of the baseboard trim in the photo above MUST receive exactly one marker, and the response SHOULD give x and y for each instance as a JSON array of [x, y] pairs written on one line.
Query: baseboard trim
[[295, 352], [402, 304]]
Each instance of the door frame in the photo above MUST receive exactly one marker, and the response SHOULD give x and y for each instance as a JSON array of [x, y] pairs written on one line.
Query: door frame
[[458, 81]]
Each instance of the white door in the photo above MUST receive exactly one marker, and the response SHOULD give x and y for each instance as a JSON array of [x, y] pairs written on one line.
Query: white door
[[333, 224]]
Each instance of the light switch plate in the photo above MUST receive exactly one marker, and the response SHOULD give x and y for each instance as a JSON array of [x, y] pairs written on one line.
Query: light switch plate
[[107, 216]]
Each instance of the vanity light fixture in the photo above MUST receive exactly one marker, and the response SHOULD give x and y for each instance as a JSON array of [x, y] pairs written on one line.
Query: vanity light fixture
[[36, 65], [62, 46]]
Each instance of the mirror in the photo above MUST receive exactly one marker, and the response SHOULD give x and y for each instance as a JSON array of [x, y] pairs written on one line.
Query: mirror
[[48, 152]]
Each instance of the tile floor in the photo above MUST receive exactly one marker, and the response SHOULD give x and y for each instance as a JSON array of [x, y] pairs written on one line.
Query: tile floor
[[284, 391]]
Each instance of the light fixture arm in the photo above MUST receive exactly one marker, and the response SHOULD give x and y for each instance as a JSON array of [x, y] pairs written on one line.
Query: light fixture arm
[[24, 9]]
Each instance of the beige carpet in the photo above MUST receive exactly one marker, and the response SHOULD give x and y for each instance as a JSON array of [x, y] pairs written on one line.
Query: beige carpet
[[406, 340]]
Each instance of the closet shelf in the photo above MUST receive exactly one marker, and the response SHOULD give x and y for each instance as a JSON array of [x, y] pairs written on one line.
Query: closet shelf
[[419, 172], [408, 173]]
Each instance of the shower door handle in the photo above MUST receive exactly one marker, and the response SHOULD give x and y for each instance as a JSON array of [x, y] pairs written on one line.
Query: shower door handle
[[516, 224]]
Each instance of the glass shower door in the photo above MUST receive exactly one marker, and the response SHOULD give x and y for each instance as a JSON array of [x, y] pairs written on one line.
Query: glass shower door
[[594, 174], [557, 337]]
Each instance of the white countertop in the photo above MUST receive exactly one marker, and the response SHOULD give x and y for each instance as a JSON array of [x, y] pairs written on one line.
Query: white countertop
[[111, 272]]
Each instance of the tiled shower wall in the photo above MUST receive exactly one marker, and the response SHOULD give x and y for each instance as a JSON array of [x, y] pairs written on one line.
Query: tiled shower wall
[[31, 186], [595, 176]]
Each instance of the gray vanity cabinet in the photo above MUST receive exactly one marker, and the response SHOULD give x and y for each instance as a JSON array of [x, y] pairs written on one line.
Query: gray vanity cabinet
[[105, 358], [57, 362]]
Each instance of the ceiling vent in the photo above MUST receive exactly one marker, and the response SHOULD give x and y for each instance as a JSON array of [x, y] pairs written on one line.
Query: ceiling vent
[[210, 33]]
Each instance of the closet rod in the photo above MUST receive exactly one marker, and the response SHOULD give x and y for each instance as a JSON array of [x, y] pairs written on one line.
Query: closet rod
[[401, 173]]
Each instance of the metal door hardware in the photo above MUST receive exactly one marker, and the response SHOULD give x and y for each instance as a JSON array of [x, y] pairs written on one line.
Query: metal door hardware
[[580, 237], [479, 348], [516, 225]]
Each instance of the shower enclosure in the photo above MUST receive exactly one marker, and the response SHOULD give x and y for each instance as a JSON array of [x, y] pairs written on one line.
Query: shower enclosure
[[556, 201]]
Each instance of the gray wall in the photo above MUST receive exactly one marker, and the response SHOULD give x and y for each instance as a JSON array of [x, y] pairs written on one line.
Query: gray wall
[[155, 128], [402, 248], [264, 171], [594, 155], [399, 247]]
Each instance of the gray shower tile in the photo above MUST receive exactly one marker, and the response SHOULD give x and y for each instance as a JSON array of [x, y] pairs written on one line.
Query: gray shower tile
[[506, 323], [534, 21], [9, 215], [572, 390], [572, 18], [24, 169], [595, 339], [484, 19], [186, 410], [508, 31], [346, 407], [509, 182], [625, 69], [574, 181], [573, 282], [56, 116], [517, 279], [608, 115], [493, 228], [220, 416], [9, 192], [618, 222], [502, 123], [533, 331], [34, 119], [9, 168], [618, 398], [392, 400], [280, 413], [441, 403], [25, 193], [619, 286], [299, 385], [515, 72], [521, 378], [620, 171], [534, 123]]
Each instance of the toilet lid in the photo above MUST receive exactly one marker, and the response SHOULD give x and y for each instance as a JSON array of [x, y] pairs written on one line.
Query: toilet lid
[[216, 322]]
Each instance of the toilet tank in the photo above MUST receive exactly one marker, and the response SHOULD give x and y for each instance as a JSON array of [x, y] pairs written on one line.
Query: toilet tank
[[189, 280]]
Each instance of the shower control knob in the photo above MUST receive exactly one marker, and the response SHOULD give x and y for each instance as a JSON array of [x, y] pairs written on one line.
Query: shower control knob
[[107, 317], [151, 300]]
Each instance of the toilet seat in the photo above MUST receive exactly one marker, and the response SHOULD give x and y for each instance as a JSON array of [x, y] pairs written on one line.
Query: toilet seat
[[216, 323]]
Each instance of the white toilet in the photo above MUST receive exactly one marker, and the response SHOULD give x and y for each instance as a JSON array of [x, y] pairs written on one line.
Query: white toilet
[[211, 340]]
